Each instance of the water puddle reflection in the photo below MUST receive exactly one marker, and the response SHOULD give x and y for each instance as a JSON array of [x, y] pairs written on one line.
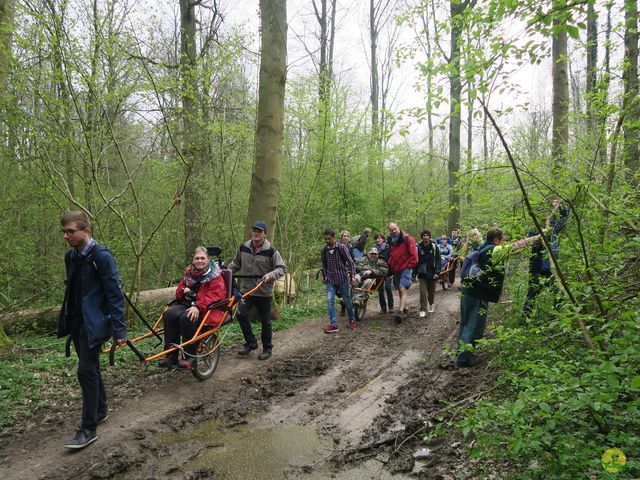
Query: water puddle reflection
[[251, 451]]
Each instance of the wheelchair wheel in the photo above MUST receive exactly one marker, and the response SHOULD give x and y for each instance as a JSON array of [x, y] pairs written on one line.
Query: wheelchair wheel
[[208, 356], [359, 309]]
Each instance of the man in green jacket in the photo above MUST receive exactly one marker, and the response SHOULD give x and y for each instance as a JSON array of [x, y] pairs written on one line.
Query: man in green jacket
[[369, 268]]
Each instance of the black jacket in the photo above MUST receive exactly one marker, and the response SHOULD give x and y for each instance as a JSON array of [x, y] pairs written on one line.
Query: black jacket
[[428, 260]]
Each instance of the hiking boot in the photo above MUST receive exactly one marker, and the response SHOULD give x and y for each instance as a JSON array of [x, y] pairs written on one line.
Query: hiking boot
[[422, 314], [471, 363], [331, 329], [353, 325], [101, 418], [82, 439], [246, 350], [264, 354]]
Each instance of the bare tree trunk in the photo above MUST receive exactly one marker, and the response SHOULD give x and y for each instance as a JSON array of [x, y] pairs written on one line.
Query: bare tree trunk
[[485, 132], [592, 64], [265, 179], [631, 153], [332, 37], [375, 87], [323, 74], [7, 15], [6, 34], [427, 33], [560, 107], [455, 119], [469, 162], [191, 136]]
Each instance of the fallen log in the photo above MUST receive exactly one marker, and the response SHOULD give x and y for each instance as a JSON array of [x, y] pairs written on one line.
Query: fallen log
[[46, 319]]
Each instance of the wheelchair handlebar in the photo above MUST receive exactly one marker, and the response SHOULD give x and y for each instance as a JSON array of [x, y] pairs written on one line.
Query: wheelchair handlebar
[[131, 345]]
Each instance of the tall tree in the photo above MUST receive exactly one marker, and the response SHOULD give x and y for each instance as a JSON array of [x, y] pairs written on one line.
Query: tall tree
[[327, 23], [592, 62], [457, 10], [265, 178], [191, 134], [7, 11], [631, 153], [560, 80], [374, 31]]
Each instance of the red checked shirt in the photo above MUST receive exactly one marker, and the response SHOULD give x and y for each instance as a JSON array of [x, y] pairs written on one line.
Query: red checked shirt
[[337, 264]]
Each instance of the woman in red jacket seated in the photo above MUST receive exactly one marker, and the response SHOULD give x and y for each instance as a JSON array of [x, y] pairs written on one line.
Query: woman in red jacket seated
[[201, 285]]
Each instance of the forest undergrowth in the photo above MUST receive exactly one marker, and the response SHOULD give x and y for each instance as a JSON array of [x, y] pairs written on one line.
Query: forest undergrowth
[[560, 408]]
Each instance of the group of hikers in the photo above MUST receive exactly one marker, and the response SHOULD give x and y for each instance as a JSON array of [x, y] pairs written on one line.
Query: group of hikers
[[93, 307], [398, 259], [395, 259]]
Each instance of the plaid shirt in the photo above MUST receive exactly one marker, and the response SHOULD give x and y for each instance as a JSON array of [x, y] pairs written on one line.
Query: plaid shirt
[[337, 264]]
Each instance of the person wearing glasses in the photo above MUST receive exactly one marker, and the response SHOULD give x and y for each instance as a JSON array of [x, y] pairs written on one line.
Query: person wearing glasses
[[92, 312]]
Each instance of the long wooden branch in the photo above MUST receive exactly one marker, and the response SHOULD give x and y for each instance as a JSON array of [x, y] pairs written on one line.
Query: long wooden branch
[[585, 333]]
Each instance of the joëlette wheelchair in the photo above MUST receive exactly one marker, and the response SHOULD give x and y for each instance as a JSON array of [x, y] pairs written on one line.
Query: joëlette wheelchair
[[360, 296], [208, 338]]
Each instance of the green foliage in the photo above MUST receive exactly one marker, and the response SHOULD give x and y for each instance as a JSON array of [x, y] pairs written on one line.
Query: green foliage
[[561, 405]]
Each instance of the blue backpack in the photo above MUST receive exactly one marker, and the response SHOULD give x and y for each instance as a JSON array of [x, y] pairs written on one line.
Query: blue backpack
[[471, 268]]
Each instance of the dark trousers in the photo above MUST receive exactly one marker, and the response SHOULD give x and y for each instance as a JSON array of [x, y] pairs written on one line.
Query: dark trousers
[[473, 319], [386, 289], [537, 283], [176, 325], [452, 273], [263, 306], [94, 396]]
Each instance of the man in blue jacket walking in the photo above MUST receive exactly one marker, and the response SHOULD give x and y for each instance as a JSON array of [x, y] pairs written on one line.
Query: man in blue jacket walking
[[92, 311]]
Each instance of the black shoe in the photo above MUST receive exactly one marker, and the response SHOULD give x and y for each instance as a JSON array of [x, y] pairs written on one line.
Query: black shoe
[[102, 417], [82, 439], [264, 354], [397, 319], [246, 350], [471, 363]]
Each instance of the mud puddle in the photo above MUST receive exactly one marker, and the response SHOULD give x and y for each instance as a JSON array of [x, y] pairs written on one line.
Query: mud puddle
[[248, 450]]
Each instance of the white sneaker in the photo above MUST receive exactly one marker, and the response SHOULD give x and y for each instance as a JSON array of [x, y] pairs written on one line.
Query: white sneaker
[[423, 314], [431, 308]]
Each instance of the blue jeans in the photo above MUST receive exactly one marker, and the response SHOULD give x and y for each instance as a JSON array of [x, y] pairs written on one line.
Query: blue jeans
[[346, 298], [473, 319]]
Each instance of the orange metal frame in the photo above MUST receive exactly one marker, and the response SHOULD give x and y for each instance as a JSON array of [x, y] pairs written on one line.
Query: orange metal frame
[[374, 287], [231, 303]]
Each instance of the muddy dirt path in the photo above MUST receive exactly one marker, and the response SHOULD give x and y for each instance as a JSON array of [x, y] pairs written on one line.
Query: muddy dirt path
[[324, 406]]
